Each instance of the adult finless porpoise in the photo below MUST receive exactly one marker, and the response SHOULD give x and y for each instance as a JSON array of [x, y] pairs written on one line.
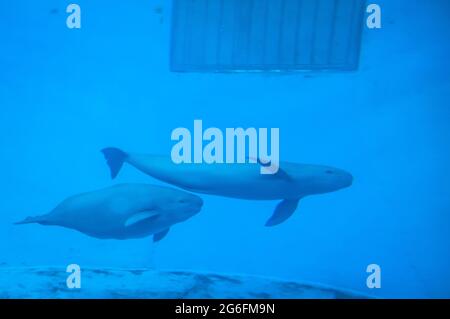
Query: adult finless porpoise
[[289, 184], [123, 211]]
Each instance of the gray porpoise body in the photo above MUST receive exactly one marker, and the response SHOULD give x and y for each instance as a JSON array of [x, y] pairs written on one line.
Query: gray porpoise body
[[291, 183], [123, 211]]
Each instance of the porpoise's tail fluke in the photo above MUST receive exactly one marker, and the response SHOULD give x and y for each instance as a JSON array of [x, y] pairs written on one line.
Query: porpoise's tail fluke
[[115, 158], [30, 220]]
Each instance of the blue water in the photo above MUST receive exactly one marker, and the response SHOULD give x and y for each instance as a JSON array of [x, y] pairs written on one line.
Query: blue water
[[65, 94]]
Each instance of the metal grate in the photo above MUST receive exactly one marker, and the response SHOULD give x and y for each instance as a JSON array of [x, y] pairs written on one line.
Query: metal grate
[[266, 35]]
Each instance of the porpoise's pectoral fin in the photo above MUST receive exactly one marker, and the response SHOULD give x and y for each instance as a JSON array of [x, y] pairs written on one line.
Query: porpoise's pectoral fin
[[283, 211], [158, 236], [138, 217]]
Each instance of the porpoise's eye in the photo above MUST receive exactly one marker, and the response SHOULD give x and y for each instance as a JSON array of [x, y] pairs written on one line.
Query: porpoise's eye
[[181, 201], [329, 172]]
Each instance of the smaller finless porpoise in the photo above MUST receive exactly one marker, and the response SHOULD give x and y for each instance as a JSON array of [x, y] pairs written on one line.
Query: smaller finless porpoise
[[289, 184], [123, 211]]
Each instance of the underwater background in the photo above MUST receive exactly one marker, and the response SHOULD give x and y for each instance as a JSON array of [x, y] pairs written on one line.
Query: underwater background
[[66, 94]]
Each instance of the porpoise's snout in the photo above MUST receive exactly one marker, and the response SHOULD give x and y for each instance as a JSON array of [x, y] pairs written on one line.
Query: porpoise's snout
[[346, 178], [349, 179], [339, 177], [195, 203]]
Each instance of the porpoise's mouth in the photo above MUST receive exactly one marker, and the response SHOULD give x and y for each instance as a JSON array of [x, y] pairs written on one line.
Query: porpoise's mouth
[[348, 179], [197, 204], [343, 178]]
